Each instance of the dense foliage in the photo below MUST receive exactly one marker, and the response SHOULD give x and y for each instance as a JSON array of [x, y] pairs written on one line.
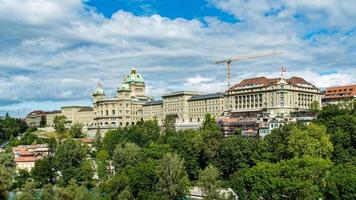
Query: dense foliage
[[143, 161]]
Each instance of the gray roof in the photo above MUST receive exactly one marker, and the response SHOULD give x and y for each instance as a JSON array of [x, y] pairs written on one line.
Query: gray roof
[[206, 96], [152, 103]]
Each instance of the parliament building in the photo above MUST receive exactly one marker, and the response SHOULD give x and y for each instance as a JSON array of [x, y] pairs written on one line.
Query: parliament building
[[279, 97]]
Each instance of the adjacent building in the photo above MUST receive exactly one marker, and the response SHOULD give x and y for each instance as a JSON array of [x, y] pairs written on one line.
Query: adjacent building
[[334, 95], [27, 155], [277, 96], [36, 118]]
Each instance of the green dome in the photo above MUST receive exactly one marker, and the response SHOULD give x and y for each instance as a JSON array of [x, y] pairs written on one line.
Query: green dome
[[134, 77], [124, 86], [99, 90]]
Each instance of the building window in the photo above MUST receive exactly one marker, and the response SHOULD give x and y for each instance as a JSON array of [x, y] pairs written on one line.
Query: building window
[[107, 112], [113, 112]]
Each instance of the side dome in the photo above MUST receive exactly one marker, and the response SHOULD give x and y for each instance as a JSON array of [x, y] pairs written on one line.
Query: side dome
[[99, 90], [134, 77], [124, 86]]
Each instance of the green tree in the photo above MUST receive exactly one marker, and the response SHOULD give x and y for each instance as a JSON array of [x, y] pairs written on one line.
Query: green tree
[[210, 147], [112, 138], [169, 124], [311, 140], [143, 179], [236, 153], [5, 182], [59, 124], [315, 107], [28, 192], [82, 193], [115, 187], [341, 183], [188, 145], [102, 158], [97, 140], [298, 178], [69, 158], [21, 178], [43, 121], [274, 146], [76, 131], [47, 192], [210, 124], [128, 154], [44, 171], [172, 177], [67, 193], [85, 173], [209, 183]]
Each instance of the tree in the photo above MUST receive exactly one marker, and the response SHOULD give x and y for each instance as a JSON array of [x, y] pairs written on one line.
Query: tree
[[143, 179], [116, 187], [210, 147], [43, 121], [43, 171], [112, 138], [315, 107], [59, 124], [82, 193], [128, 154], [47, 192], [102, 163], [69, 192], [210, 124], [188, 145], [69, 158], [341, 183], [97, 140], [85, 173], [209, 183], [169, 124], [311, 140], [21, 178], [5, 182], [274, 146], [236, 153], [172, 177], [298, 178], [28, 192], [76, 131]]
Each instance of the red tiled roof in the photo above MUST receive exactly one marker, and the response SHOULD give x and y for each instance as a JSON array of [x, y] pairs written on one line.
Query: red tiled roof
[[27, 159], [86, 140], [268, 81], [341, 91]]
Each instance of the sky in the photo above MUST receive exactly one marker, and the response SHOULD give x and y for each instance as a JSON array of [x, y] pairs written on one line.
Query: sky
[[54, 53]]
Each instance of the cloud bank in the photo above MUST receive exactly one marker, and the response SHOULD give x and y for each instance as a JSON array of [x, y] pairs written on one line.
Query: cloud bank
[[53, 53]]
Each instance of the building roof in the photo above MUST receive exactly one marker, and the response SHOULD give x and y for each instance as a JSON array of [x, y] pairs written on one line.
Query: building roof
[[36, 113], [265, 82], [340, 91], [85, 109], [206, 96], [153, 103], [179, 93], [87, 140], [54, 112]]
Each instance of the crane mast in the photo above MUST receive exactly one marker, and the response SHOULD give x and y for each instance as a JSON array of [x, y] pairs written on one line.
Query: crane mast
[[228, 62]]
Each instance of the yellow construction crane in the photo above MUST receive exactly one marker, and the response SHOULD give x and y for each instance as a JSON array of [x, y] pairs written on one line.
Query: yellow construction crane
[[228, 62]]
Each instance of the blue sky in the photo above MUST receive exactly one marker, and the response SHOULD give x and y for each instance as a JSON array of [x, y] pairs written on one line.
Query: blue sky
[[53, 53]]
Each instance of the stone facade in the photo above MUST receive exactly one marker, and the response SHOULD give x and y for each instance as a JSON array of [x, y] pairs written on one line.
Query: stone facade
[[277, 96]]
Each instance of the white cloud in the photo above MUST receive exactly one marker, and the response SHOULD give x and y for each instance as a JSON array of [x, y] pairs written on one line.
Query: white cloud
[[57, 51]]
